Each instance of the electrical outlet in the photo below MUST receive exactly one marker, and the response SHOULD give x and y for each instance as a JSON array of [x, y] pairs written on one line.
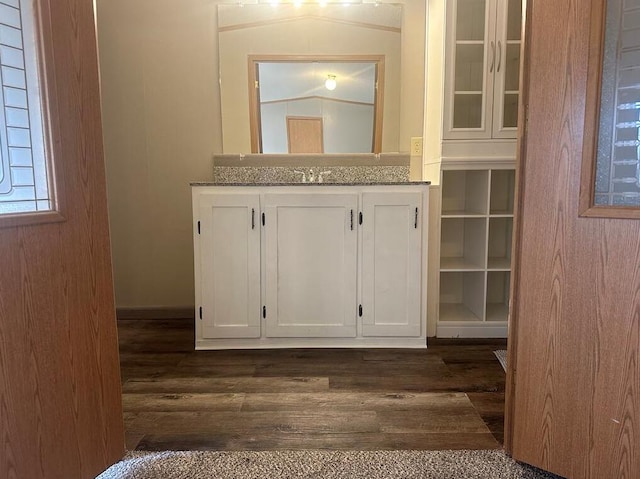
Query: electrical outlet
[[416, 146]]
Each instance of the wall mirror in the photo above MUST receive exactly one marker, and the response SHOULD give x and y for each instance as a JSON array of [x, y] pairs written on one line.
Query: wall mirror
[[275, 60], [316, 104]]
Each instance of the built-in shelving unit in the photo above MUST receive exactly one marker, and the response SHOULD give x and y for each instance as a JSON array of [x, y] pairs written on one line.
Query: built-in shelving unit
[[475, 252]]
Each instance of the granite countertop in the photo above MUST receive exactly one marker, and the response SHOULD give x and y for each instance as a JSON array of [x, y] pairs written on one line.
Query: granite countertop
[[326, 183]]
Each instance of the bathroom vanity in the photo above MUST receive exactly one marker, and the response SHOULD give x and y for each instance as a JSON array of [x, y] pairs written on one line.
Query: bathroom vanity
[[310, 265]]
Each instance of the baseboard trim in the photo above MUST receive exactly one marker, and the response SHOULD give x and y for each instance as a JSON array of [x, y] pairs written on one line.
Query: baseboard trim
[[156, 313]]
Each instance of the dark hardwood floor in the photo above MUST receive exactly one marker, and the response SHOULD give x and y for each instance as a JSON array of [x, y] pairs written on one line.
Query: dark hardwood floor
[[449, 396]]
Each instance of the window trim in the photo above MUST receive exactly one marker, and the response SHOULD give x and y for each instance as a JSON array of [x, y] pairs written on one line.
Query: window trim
[[587, 207], [48, 98]]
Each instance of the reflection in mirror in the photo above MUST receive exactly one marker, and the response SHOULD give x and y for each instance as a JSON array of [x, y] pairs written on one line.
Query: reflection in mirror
[[311, 106], [252, 36]]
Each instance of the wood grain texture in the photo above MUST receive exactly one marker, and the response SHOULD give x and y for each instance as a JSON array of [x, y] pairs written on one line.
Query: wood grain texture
[[60, 407], [306, 398], [575, 399]]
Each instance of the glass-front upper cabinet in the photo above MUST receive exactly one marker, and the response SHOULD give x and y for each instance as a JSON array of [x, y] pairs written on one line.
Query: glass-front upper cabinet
[[483, 69]]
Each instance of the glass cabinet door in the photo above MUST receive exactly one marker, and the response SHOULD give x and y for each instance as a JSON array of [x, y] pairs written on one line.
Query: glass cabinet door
[[509, 32], [470, 46]]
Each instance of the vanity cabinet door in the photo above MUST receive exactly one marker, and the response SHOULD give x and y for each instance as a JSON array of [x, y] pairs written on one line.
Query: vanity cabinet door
[[391, 264], [229, 250], [311, 265]]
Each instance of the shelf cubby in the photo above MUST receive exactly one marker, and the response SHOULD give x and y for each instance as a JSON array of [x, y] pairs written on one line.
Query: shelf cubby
[[465, 192], [498, 295], [475, 252], [499, 246], [462, 296], [502, 192], [463, 244]]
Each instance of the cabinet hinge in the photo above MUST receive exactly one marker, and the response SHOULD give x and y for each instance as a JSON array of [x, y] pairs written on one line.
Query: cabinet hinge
[[360, 218], [198, 227], [200, 312], [263, 219], [360, 310], [264, 311]]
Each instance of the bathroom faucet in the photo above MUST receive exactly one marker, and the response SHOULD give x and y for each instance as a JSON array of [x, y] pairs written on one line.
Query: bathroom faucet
[[323, 173], [304, 176]]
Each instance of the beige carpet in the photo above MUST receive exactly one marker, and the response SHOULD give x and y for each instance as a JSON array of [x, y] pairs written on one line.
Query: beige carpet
[[488, 464]]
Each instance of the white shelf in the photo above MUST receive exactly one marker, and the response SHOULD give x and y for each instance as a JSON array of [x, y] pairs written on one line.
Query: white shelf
[[472, 330], [459, 264], [465, 192], [499, 264], [462, 244], [497, 312], [475, 262], [457, 312], [461, 214], [499, 247], [502, 192], [501, 214]]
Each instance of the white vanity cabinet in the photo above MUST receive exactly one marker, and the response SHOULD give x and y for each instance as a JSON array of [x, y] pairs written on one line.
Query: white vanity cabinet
[[310, 265]]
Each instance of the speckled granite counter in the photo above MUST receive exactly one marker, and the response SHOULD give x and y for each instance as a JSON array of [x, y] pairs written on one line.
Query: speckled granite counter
[[292, 174], [346, 168], [326, 183]]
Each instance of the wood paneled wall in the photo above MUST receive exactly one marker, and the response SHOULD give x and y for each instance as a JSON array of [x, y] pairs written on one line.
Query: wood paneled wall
[[60, 404], [574, 389]]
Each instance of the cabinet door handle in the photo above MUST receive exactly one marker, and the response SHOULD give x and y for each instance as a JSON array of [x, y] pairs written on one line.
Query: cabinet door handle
[[351, 220], [415, 223], [499, 56], [253, 218], [493, 57]]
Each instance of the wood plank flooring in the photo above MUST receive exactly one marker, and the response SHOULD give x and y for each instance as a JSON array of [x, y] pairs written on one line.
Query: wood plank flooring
[[449, 396]]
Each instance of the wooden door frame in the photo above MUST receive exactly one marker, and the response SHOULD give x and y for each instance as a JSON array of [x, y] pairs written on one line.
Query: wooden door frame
[[254, 91], [516, 249]]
